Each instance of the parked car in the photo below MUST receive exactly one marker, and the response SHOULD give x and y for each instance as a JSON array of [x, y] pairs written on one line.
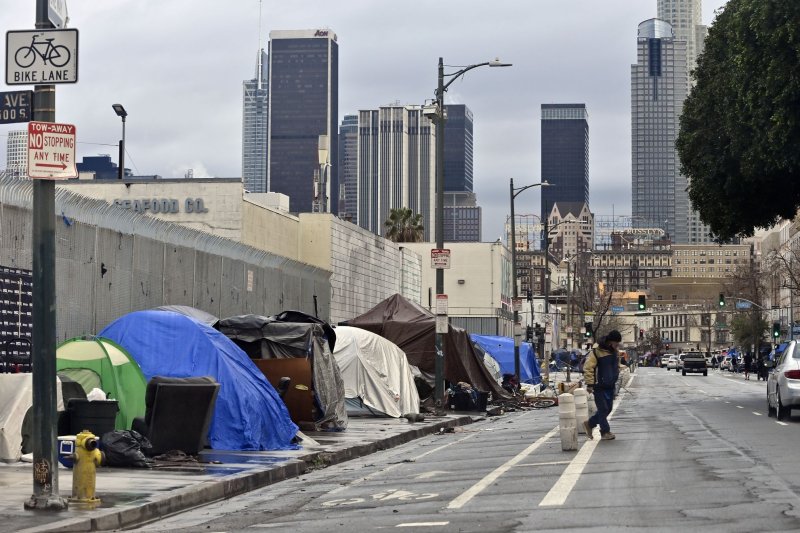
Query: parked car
[[783, 382], [672, 362]]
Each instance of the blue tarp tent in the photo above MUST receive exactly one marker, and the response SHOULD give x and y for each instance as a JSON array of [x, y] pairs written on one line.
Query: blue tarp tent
[[502, 349], [249, 414]]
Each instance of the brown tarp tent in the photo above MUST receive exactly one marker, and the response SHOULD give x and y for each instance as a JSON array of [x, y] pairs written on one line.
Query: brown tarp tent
[[413, 329]]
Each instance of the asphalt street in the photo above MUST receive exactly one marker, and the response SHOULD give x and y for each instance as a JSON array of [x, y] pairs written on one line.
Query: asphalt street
[[692, 453]]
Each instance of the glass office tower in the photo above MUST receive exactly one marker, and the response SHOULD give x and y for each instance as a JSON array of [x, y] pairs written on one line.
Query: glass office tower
[[565, 155], [254, 128], [303, 105]]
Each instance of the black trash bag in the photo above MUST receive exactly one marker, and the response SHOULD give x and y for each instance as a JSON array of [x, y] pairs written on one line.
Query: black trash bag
[[125, 448]]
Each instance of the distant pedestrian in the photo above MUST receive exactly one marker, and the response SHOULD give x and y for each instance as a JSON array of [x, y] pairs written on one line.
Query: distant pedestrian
[[600, 373], [748, 361]]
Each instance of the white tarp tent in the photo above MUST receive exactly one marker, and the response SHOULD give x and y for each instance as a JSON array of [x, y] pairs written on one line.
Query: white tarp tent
[[16, 396], [375, 371]]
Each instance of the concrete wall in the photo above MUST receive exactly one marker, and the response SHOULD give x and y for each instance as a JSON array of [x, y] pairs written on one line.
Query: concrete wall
[[111, 261], [220, 210], [270, 230], [366, 268]]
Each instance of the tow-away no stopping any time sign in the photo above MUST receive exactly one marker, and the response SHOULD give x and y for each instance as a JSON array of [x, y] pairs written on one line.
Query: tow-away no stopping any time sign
[[51, 151]]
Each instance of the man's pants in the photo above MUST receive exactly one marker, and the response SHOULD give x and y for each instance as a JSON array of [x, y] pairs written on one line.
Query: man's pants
[[604, 400]]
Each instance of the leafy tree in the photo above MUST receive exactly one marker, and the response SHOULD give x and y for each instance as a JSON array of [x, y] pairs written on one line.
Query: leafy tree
[[748, 329], [404, 226], [739, 140]]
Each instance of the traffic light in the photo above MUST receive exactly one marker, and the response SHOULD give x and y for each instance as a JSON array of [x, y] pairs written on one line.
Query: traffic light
[[529, 295], [776, 329], [721, 300], [529, 333], [589, 329], [641, 333], [642, 302]]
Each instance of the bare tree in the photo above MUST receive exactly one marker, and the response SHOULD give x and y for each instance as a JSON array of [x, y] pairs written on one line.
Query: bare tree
[[748, 282]]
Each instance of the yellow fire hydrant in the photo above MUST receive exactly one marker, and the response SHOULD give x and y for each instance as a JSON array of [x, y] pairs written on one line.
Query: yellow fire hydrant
[[86, 459]]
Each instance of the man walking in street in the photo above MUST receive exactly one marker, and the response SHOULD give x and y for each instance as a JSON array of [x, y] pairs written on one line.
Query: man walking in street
[[600, 374]]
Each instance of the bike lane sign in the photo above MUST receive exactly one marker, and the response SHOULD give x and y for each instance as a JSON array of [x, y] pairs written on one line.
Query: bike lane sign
[[51, 151], [41, 57]]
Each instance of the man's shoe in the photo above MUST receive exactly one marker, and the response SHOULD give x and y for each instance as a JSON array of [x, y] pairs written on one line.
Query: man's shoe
[[588, 429], [608, 436]]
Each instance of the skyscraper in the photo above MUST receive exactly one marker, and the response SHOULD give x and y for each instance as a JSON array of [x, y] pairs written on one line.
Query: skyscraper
[[462, 217], [254, 127], [17, 154], [658, 89], [303, 105], [396, 166], [565, 154], [458, 149], [686, 17], [348, 168]]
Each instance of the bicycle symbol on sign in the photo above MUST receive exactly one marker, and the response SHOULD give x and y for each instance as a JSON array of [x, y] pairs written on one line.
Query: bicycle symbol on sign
[[57, 55]]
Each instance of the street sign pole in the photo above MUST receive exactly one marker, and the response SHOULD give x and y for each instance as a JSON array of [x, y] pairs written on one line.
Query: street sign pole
[[45, 468]]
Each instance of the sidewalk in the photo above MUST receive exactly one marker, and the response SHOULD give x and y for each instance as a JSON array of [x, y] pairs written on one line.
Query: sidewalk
[[136, 496]]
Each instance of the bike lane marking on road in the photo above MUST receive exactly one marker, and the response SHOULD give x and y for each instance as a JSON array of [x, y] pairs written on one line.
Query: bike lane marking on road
[[478, 487], [559, 493]]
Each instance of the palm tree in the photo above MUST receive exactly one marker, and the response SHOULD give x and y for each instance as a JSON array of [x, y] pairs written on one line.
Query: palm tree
[[404, 226]]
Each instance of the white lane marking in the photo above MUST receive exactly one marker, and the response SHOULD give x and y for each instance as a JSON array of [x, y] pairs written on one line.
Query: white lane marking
[[561, 490], [739, 407], [422, 524], [726, 401], [781, 423], [757, 414], [704, 392], [475, 489], [392, 467]]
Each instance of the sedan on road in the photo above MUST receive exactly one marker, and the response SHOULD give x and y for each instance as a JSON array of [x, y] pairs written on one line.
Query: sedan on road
[[783, 383], [672, 362]]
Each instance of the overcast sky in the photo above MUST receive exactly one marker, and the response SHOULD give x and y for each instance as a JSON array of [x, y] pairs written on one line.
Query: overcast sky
[[178, 65]]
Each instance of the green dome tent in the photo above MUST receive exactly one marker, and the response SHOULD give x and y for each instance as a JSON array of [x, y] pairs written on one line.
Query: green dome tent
[[98, 362]]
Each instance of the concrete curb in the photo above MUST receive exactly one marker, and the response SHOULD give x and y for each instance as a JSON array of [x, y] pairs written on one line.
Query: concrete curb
[[195, 496]]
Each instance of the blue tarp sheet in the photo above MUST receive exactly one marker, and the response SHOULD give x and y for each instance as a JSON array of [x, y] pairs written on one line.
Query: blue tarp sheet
[[502, 349], [249, 414]]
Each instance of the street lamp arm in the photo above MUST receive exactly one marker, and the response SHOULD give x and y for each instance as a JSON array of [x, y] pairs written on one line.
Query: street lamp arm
[[518, 190], [750, 302], [457, 74]]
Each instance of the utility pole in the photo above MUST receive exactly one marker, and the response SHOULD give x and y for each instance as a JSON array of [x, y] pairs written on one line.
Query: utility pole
[[45, 468]]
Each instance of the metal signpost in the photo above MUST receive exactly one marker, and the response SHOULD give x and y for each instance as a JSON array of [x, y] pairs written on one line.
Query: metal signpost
[[44, 56]]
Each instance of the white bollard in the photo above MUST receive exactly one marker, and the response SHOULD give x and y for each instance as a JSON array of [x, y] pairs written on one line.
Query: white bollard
[[581, 409], [567, 423]]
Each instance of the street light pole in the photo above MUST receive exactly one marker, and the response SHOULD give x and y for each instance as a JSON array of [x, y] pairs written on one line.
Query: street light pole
[[120, 111], [439, 119], [513, 193]]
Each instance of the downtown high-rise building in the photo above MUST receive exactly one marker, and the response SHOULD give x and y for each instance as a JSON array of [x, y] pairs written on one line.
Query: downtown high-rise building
[[348, 169], [658, 90], [461, 217], [255, 113], [458, 155], [303, 100], [686, 17], [17, 154], [565, 155], [396, 166]]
